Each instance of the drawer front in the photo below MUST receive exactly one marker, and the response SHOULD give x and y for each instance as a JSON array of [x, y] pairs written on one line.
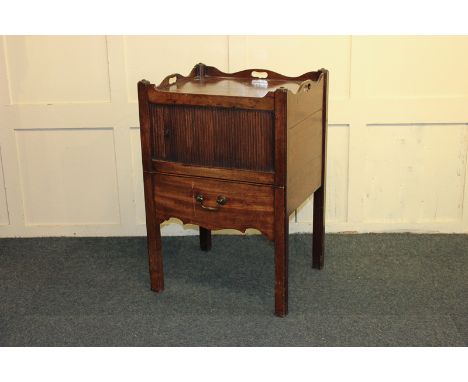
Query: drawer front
[[214, 204], [213, 137]]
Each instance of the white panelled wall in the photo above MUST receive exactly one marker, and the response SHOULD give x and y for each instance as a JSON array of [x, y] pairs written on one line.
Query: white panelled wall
[[69, 139]]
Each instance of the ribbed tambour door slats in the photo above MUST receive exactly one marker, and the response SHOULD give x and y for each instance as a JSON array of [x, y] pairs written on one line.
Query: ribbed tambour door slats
[[220, 137]]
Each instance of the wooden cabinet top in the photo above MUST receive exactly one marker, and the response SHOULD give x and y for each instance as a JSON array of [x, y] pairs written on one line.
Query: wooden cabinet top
[[253, 83]]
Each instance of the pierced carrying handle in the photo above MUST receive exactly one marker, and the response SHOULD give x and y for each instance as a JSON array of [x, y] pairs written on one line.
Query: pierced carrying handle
[[261, 74], [171, 79], [221, 200], [305, 86]]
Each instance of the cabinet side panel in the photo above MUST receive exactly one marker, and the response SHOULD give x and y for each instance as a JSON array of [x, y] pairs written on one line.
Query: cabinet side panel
[[304, 145], [303, 104], [304, 159]]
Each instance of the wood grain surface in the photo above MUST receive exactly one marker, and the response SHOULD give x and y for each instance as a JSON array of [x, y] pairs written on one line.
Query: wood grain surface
[[247, 205]]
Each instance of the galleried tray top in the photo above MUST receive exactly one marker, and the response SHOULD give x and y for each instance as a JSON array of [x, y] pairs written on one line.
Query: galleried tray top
[[247, 83]]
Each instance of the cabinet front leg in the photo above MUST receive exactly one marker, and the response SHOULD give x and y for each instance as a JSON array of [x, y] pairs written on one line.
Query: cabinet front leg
[[318, 244], [155, 258], [281, 254], [205, 239], [281, 277], [153, 231]]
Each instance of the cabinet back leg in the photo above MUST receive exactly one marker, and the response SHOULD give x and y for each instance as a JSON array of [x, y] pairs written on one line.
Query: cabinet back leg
[[205, 239], [318, 241], [318, 245]]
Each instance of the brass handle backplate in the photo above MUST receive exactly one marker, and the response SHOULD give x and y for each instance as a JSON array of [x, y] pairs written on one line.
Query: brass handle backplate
[[221, 200]]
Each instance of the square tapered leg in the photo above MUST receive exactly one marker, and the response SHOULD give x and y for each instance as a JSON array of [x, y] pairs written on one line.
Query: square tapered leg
[[318, 242], [153, 232], [205, 239], [155, 259], [281, 253]]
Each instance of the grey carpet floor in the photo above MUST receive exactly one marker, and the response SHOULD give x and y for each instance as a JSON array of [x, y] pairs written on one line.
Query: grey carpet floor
[[375, 290]]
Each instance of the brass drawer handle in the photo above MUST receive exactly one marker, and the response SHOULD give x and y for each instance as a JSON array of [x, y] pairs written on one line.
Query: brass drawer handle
[[221, 200]]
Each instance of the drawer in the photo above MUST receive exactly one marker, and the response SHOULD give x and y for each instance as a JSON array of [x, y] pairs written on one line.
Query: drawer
[[214, 204], [213, 137]]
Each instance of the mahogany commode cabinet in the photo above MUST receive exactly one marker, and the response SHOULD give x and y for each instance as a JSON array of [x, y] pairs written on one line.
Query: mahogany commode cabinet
[[234, 150]]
